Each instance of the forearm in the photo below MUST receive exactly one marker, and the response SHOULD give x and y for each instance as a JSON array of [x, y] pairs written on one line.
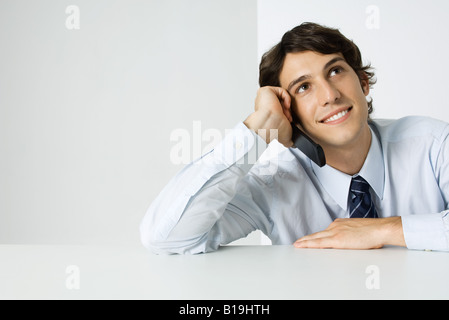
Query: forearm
[[191, 231], [180, 218]]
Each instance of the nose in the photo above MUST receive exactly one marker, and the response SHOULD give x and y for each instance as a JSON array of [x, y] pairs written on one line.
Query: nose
[[328, 93]]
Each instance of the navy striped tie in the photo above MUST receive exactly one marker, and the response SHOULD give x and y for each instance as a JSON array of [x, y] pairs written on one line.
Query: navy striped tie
[[360, 204]]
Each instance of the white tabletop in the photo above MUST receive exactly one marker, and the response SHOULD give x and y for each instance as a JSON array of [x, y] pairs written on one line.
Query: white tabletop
[[233, 272]]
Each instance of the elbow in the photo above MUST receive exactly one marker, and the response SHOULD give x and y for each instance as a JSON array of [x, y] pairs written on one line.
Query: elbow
[[152, 242], [151, 239], [160, 239], [166, 245]]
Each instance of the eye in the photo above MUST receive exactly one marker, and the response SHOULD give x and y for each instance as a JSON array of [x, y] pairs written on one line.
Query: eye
[[335, 71], [303, 87]]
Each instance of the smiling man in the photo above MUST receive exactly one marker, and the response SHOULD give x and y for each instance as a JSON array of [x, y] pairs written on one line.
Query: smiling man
[[384, 183]]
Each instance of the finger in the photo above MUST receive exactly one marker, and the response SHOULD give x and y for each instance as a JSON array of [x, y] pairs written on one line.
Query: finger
[[316, 235], [285, 99], [318, 243], [314, 240], [283, 95]]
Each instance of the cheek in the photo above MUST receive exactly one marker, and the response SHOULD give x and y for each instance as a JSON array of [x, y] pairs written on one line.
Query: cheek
[[303, 112], [362, 102], [359, 91]]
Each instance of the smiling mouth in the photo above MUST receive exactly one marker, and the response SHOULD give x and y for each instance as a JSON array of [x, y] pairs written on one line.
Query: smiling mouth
[[337, 116]]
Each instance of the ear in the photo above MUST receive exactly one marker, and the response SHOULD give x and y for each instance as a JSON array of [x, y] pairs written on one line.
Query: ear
[[364, 82]]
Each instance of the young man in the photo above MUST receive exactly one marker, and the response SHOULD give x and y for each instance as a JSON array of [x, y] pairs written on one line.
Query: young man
[[384, 183]]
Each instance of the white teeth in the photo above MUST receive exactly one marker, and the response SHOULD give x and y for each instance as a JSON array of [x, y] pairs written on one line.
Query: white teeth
[[337, 116]]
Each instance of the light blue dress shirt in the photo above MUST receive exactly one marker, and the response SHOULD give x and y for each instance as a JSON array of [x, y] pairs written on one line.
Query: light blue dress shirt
[[244, 185]]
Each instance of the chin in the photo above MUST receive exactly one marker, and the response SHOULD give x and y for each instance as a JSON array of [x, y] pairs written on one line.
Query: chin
[[338, 139]]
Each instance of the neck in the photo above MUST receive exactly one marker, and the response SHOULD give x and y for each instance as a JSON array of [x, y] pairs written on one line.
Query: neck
[[349, 159]]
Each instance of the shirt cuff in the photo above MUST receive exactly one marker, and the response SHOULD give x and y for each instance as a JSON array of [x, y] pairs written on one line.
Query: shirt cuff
[[425, 232]]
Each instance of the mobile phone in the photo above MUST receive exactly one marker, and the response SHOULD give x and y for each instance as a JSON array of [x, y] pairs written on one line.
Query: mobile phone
[[311, 149]]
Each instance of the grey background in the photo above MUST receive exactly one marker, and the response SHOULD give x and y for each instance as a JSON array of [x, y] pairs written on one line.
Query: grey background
[[86, 115]]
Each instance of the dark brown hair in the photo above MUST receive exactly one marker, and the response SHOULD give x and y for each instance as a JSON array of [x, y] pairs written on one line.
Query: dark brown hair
[[313, 37]]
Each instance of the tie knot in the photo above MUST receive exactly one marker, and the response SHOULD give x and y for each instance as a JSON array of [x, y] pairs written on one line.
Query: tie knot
[[359, 185]]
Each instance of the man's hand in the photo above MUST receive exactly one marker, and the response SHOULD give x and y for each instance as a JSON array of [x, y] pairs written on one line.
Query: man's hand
[[356, 233], [272, 111]]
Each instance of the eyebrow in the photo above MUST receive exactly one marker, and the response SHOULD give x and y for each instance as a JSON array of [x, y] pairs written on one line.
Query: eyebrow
[[305, 77]]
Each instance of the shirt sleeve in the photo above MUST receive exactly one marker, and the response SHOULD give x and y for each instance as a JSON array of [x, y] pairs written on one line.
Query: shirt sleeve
[[426, 231], [431, 231], [187, 216]]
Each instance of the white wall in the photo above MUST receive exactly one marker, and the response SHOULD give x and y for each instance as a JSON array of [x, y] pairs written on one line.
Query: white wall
[[86, 114]]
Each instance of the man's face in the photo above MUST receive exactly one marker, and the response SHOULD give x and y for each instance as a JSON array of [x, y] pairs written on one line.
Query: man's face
[[328, 98]]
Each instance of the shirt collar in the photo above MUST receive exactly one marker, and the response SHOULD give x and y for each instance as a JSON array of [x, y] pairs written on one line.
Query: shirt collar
[[337, 183]]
